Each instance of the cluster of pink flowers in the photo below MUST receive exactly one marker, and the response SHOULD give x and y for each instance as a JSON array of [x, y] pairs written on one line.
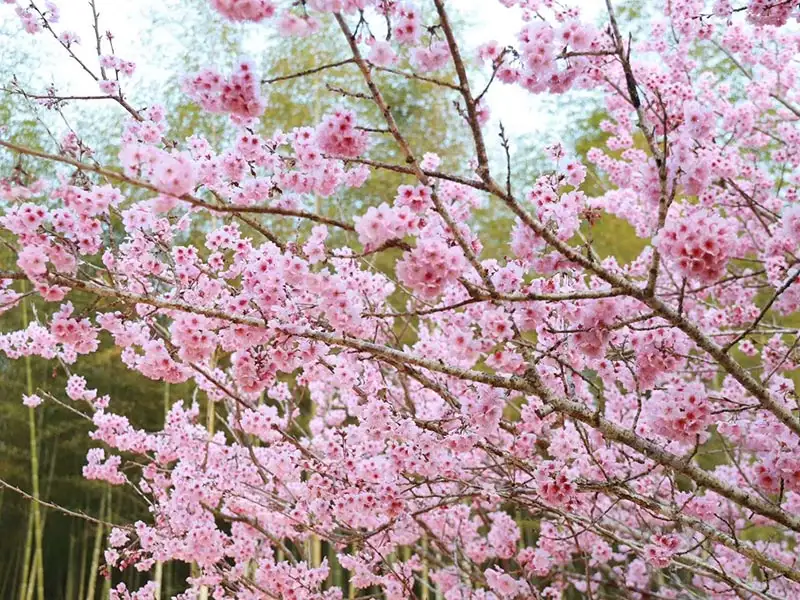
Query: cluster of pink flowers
[[658, 352], [661, 549], [33, 261], [338, 136], [407, 27], [699, 244], [554, 484], [438, 384], [245, 10], [32, 401], [503, 535], [382, 224], [540, 42], [771, 12], [68, 38], [76, 389], [504, 584], [594, 321], [682, 414], [430, 267], [381, 53], [104, 469], [79, 334], [432, 58], [416, 198], [561, 211], [239, 94], [28, 18], [174, 173], [407, 217], [8, 297], [263, 423], [147, 592], [122, 66], [347, 6], [76, 224]]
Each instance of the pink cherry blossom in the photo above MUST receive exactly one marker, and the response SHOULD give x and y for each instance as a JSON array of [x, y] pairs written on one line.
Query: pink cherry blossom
[[245, 10], [492, 368], [32, 401]]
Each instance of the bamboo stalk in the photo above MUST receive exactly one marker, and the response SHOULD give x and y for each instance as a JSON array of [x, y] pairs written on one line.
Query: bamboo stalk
[[37, 575], [106, 586], [109, 517], [336, 569], [424, 591], [26, 558], [8, 577], [43, 510], [69, 588], [166, 584], [316, 551], [84, 548], [351, 590], [159, 574], [31, 579], [210, 424], [98, 544], [34, 448]]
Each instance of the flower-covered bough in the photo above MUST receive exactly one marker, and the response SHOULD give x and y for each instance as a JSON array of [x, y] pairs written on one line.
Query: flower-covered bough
[[553, 386]]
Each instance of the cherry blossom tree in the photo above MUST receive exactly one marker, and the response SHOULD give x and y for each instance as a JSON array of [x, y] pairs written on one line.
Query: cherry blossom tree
[[643, 414]]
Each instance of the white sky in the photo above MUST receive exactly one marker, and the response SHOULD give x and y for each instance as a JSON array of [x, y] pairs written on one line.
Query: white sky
[[128, 19]]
